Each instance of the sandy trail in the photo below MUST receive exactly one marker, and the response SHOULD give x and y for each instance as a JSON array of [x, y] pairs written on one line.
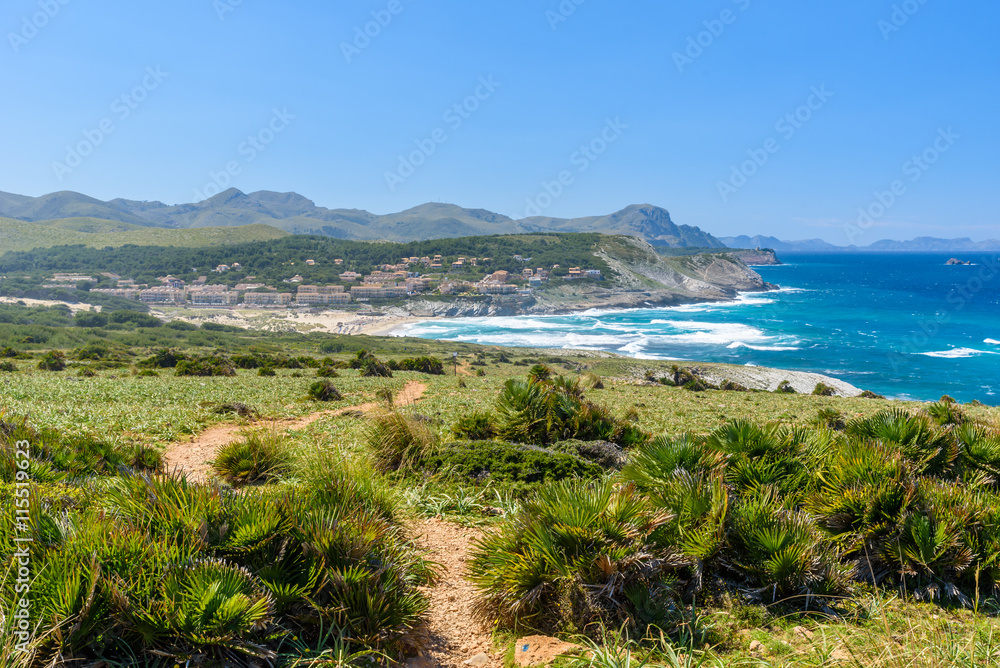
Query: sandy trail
[[192, 457], [455, 636]]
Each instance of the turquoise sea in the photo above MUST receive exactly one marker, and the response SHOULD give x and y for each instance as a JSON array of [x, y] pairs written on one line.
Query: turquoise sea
[[903, 325]]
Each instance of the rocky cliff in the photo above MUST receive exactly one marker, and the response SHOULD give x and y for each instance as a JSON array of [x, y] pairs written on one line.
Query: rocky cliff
[[639, 277]]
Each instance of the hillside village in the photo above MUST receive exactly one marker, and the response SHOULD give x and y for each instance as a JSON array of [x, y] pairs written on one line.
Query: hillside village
[[409, 277]]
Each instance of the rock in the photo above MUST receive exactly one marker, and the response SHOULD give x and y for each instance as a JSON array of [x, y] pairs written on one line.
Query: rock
[[803, 632], [477, 661], [756, 647], [541, 650]]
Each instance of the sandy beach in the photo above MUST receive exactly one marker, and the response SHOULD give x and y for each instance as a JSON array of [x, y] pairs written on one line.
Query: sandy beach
[[275, 320]]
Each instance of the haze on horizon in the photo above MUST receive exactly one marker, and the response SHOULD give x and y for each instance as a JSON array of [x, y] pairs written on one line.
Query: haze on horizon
[[739, 116]]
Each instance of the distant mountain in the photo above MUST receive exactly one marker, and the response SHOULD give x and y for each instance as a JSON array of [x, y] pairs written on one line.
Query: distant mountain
[[918, 245], [296, 214], [639, 220]]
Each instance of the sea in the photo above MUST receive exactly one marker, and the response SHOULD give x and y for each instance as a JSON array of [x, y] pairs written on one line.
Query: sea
[[904, 325]]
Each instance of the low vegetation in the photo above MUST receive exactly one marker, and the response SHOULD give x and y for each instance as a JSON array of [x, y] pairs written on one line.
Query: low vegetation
[[670, 527]]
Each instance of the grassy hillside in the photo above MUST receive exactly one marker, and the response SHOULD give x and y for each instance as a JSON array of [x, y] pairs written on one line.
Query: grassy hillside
[[18, 235], [736, 544]]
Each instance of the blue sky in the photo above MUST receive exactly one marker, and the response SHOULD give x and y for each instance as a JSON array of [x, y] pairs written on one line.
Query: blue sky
[[739, 116]]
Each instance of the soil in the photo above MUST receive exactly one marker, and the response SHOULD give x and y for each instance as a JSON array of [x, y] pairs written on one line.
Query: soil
[[455, 636], [191, 458]]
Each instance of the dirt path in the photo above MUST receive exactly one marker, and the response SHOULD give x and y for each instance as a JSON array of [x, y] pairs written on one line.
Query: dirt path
[[455, 638], [192, 457]]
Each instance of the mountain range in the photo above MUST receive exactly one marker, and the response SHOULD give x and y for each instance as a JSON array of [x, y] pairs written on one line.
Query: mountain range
[[918, 245], [296, 214]]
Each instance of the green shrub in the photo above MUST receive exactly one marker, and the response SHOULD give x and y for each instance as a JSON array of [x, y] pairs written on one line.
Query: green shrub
[[730, 386], [8, 367], [163, 359], [266, 371], [323, 390], [477, 426], [53, 361], [215, 327], [260, 455], [87, 372], [399, 442], [90, 319], [327, 372], [428, 365], [236, 407], [830, 418], [823, 390], [496, 460], [606, 455], [205, 367], [182, 326], [591, 381], [372, 368], [134, 319], [148, 373], [785, 387], [868, 394]]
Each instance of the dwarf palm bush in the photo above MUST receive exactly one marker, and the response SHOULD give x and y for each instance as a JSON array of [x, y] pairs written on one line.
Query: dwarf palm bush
[[324, 390], [980, 451], [209, 604], [946, 413], [164, 568], [782, 552], [930, 452], [543, 411], [761, 456], [259, 455], [572, 555]]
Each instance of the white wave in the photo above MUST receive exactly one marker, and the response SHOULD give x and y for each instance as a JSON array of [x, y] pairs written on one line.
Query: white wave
[[991, 342], [958, 353], [740, 344]]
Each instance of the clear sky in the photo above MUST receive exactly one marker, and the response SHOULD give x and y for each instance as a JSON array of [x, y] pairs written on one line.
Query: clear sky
[[830, 102]]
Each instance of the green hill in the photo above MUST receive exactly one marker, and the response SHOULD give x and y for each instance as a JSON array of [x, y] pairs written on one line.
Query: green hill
[[18, 235]]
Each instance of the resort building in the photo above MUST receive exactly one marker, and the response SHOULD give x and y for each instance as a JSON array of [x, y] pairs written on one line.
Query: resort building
[[163, 295], [272, 298], [497, 288]]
